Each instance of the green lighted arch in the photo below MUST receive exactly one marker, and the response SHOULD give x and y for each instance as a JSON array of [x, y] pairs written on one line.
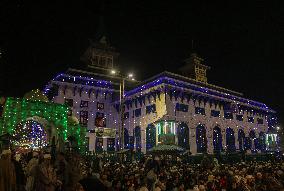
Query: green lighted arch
[[18, 110]]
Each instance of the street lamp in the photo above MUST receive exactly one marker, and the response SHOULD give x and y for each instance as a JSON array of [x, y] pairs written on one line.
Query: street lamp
[[122, 78]]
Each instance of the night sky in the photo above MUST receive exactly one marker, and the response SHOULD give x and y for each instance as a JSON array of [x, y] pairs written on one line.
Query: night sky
[[243, 43]]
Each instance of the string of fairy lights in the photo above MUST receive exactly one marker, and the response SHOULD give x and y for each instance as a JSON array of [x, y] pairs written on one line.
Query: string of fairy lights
[[30, 134]]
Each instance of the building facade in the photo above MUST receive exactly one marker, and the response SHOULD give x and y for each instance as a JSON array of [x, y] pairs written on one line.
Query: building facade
[[166, 109]]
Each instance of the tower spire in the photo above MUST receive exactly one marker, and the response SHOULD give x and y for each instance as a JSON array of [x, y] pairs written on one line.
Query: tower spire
[[195, 68]]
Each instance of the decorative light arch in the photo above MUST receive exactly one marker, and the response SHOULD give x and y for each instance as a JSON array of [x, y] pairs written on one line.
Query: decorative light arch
[[18, 110], [30, 134]]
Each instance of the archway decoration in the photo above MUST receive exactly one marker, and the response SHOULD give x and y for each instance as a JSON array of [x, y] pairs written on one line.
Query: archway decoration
[[217, 139], [230, 140], [18, 111], [201, 139], [183, 135], [30, 134], [150, 136]]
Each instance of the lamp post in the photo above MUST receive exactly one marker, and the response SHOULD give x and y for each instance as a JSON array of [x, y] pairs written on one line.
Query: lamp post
[[122, 78]]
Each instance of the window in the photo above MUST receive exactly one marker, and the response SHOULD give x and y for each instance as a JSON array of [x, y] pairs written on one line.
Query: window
[[199, 110], [151, 109], [83, 117], [100, 120], [215, 113], [100, 106], [239, 117], [228, 115], [69, 102], [131, 142], [96, 59], [110, 144], [126, 115], [99, 144], [181, 107], [250, 119], [259, 121], [137, 112], [84, 104]]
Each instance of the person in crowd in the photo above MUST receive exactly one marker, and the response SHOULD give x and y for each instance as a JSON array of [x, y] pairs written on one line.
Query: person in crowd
[[7, 172], [45, 176], [20, 176], [63, 171], [30, 172]]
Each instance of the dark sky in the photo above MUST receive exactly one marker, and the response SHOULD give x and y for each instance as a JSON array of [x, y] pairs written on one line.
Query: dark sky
[[242, 42]]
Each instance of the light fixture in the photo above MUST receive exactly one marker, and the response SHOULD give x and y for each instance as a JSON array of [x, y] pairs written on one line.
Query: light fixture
[[113, 71], [130, 75]]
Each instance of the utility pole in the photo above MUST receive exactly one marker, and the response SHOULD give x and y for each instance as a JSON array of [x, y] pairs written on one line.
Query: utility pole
[[122, 109], [122, 79]]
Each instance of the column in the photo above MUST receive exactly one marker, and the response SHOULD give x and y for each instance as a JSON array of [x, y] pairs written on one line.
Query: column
[[192, 139], [105, 144], [143, 140]]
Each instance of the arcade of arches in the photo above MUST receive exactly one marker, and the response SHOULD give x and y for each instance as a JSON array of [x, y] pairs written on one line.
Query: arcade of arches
[[170, 132]]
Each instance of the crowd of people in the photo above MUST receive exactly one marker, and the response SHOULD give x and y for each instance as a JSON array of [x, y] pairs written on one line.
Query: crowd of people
[[36, 171]]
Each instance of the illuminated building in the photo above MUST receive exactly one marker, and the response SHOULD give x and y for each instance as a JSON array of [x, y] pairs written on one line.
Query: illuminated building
[[166, 109]]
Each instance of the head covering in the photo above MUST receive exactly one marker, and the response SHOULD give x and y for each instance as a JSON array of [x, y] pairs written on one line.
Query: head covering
[[210, 177], [35, 154], [249, 177], [47, 156]]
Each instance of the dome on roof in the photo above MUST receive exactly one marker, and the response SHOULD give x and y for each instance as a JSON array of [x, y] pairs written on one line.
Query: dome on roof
[[36, 95]]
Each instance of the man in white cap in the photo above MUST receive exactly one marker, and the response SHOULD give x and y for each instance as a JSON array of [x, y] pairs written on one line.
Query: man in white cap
[[7, 172]]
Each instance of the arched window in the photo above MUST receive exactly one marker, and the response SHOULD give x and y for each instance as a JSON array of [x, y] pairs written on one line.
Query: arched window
[[183, 135], [230, 140], [126, 138], [137, 136], [217, 139], [241, 138], [201, 139], [261, 138], [150, 136]]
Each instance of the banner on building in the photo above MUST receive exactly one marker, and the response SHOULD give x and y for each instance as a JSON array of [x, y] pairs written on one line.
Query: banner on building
[[105, 132]]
